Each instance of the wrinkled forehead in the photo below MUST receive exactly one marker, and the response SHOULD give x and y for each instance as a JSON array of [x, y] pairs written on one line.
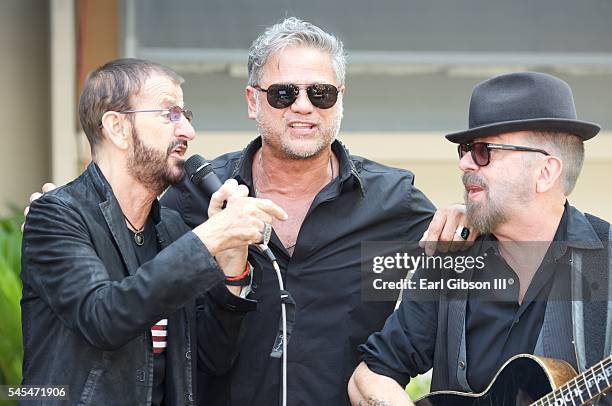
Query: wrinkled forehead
[[159, 90], [299, 64]]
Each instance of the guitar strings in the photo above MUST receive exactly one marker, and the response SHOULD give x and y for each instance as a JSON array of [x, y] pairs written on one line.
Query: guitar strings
[[579, 382]]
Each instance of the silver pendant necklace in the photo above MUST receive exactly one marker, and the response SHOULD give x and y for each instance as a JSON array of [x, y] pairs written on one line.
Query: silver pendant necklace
[[138, 233]]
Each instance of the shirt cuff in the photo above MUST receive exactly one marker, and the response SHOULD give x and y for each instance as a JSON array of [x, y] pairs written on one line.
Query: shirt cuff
[[379, 368], [225, 299]]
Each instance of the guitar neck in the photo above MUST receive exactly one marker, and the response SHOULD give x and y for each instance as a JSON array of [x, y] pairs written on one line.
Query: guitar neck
[[583, 388]]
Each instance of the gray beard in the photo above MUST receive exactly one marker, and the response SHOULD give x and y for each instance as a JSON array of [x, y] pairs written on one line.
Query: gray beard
[[329, 135], [483, 220]]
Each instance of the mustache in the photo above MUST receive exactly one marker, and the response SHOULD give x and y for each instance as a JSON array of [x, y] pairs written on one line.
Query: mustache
[[175, 144], [473, 179]]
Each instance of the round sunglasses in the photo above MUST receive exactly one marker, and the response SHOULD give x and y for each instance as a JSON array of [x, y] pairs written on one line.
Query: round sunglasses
[[481, 151], [283, 95]]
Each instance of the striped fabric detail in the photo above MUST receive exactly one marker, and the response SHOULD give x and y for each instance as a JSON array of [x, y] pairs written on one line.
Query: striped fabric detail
[[158, 333]]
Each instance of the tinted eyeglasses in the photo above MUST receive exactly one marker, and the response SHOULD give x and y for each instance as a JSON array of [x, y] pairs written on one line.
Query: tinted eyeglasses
[[173, 113], [481, 151], [283, 95]]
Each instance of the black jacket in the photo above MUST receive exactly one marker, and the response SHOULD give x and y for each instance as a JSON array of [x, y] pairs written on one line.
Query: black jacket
[[366, 202], [87, 307]]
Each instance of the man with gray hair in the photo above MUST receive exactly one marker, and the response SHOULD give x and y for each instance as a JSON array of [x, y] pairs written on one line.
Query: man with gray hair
[[335, 201], [520, 158]]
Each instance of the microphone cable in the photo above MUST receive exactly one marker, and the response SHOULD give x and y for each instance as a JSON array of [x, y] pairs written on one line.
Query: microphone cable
[[284, 297], [201, 174]]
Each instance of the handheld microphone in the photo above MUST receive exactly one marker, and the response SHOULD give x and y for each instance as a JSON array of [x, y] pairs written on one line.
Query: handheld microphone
[[201, 174]]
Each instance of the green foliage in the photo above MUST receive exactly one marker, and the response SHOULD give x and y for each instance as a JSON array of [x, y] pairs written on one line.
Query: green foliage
[[11, 351], [419, 385]]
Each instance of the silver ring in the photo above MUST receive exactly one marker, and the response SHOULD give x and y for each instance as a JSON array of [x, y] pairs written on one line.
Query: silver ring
[[267, 233], [463, 232]]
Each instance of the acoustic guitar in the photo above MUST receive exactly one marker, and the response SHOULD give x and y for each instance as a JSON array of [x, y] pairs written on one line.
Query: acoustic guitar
[[531, 380]]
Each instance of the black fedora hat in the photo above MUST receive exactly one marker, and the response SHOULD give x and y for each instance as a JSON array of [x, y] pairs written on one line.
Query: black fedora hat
[[520, 102]]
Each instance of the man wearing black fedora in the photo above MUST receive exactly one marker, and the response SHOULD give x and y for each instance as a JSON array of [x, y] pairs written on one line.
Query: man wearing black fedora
[[520, 158]]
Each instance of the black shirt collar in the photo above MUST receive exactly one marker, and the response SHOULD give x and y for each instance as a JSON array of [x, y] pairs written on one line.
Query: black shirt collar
[[349, 170]]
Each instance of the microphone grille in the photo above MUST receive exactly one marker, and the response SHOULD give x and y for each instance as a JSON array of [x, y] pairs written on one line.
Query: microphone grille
[[197, 166], [193, 164]]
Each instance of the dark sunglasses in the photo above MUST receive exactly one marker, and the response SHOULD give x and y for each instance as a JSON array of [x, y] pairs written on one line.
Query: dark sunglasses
[[481, 151], [173, 113], [283, 95]]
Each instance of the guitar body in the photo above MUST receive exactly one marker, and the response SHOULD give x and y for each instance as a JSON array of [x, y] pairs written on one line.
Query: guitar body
[[521, 381]]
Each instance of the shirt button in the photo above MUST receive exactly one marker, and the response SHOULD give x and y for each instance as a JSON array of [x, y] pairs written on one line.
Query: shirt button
[[140, 375], [188, 355], [461, 364]]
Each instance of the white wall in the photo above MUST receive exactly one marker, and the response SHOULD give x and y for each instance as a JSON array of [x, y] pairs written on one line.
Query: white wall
[[24, 103]]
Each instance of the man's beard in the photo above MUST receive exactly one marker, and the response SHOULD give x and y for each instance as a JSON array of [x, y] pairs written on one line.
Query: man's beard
[[328, 134], [483, 217], [151, 167]]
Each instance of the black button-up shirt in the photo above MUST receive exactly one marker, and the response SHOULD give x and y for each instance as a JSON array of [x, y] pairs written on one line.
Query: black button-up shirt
[[496, 326], [366, 202]]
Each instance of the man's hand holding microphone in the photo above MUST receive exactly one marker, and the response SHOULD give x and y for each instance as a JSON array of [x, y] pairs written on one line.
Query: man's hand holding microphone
[[235, 221], [241, 223], [229, 231]]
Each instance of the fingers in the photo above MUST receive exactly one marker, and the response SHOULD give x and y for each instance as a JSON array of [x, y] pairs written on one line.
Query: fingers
[[47, 187], [241, 191], [447, 235], [272, 209], [430, 238], [35, 196], [226, 191], [244, 220], [460, 243], [265, 209], [442, 235]]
